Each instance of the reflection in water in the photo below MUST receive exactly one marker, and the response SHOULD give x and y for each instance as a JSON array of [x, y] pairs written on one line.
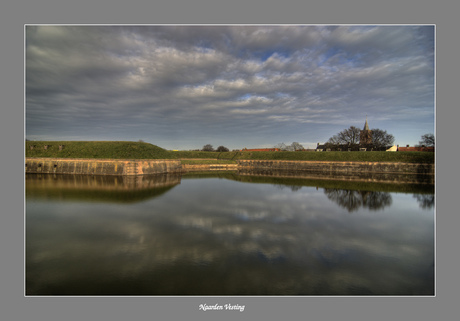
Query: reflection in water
[[293, 188], [99, 188], [344, 176], [354, 200], [223, 237], [425, 200]]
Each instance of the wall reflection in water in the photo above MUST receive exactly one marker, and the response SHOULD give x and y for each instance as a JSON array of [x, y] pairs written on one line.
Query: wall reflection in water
[[226, 235], [99, 188]]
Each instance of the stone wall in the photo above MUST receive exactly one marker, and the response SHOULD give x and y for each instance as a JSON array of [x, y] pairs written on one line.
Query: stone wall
[[101, 166], [209, 167], [149, 166], [339, 167]]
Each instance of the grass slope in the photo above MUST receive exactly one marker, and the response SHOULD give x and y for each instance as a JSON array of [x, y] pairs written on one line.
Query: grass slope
[[404, 157], [141, 150], [98, 149]]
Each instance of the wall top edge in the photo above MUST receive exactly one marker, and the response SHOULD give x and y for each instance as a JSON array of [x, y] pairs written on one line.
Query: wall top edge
[[103, 159]]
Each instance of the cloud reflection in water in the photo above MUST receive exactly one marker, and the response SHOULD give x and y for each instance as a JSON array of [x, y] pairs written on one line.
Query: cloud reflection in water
[[221, 237]]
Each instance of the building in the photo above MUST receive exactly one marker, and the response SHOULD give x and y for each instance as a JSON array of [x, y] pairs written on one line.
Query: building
[[321, 147], [365, 136], [415, 149]]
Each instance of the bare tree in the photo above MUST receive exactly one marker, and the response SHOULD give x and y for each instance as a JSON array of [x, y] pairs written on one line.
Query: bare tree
[[427, 140], [334, 140], [297, 146], [380, 138], [346, 136], [281, 146], [222, 149]]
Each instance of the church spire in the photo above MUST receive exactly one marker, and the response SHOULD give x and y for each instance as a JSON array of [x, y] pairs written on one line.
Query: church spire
[[366, 125], [365, 136]]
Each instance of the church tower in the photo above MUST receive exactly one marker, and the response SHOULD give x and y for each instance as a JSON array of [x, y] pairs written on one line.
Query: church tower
[[365, 136]]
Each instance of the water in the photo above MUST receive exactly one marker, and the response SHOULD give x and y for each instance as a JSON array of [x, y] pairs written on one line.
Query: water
[[227, 235]]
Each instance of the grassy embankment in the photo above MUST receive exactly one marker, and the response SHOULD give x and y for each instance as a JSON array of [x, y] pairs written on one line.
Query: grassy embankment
[[97, 149], [140, 150]]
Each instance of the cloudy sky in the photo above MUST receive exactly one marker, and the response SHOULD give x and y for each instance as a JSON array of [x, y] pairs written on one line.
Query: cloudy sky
[[184, 86]]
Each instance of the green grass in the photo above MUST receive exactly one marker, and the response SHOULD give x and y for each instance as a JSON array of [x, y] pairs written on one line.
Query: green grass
[[404, 157], [140, 150], [98, 149], [199, 154]]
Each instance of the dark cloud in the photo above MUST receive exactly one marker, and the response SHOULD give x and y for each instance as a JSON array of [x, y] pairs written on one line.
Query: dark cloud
[[97, 79]]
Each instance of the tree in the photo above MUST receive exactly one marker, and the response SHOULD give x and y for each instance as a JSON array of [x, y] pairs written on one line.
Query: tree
[[351, 136], [380, 138], [347, 136], [427, 140], [208, 148], [297, 146], [222, 149], [281, 146], [289, 148]]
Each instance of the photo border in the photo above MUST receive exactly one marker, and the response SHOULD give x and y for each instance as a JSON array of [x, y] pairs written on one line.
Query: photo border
[[15, 306]]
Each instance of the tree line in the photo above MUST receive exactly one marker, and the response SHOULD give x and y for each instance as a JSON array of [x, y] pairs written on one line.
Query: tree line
[[349, 138], [209, 148], [381, 139]]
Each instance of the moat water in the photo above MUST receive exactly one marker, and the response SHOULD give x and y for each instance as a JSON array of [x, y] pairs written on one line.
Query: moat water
[[227, 234]]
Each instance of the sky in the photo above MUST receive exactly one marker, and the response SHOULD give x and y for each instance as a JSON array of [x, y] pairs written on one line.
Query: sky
[[181, 87]]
